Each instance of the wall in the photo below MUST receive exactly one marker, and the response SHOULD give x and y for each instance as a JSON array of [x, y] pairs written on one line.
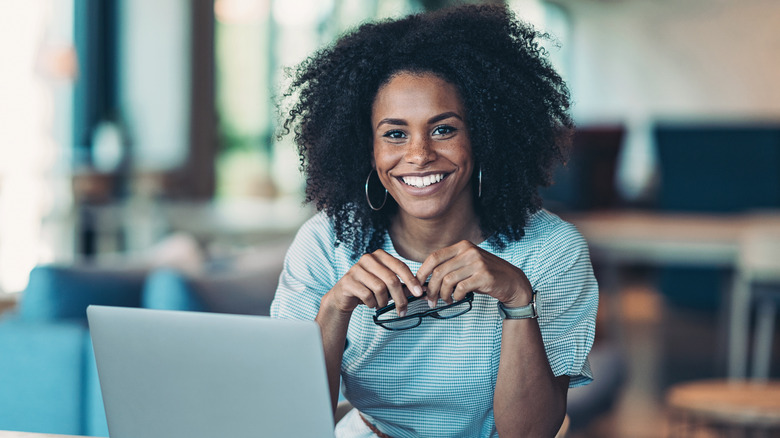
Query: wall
[[665, 59], [637, 62]]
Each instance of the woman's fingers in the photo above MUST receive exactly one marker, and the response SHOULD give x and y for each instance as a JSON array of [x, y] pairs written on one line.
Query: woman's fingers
[[464, 267], [451, 273], [447, 268], [385, 276], [433, 260], [396, 276], [431, 271], [456, 284]]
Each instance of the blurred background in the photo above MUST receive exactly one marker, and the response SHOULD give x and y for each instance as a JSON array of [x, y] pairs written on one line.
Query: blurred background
[[138, 137]]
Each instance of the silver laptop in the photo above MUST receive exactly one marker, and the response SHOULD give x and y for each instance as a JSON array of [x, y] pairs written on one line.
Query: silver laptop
[[168, 374]]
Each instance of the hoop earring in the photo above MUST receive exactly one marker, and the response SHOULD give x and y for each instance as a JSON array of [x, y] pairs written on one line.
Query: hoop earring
[[369, 198], [479, 182]]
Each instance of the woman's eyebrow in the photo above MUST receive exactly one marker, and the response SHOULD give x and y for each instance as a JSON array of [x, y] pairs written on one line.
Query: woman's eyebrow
[[401, 122], [434, 119], [444, 116]]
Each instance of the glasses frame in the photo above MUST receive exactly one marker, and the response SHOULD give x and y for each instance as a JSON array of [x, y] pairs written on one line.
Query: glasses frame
[[433, 313]]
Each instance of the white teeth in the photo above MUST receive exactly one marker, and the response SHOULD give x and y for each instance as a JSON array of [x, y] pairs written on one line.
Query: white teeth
[[422, 181]]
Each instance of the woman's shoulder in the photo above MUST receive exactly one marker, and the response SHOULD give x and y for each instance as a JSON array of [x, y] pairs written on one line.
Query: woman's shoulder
[[550, 244], [545, 228], [318, 235], [544, 223], [318, 226]]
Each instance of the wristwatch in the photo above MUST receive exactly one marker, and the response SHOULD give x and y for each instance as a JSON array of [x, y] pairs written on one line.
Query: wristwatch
[[523, 312]]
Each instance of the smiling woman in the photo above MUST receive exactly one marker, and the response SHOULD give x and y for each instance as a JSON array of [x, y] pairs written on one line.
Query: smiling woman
[[461, 117]]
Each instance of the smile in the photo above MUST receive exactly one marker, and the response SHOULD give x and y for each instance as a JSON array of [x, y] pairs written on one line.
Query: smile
[[423, 181]]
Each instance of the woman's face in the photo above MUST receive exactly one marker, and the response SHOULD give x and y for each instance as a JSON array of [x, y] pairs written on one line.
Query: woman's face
[[422, 150]]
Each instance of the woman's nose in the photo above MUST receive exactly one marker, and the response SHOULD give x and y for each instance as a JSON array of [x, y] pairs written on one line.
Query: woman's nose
[[420, 151]]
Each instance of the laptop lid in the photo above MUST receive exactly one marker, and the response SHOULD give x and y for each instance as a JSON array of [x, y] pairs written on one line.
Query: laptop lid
[[168, 374]]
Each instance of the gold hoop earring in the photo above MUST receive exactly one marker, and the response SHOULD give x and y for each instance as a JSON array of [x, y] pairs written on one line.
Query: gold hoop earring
[[368, 198]]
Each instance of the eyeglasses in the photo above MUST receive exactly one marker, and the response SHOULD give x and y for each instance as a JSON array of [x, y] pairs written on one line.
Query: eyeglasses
[[417, 309]]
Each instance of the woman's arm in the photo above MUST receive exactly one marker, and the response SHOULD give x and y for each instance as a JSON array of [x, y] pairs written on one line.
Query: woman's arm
[[333, 325], [529, 401]]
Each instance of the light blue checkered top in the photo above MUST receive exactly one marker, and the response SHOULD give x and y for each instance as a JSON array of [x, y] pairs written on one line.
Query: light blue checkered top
[[438, 379]]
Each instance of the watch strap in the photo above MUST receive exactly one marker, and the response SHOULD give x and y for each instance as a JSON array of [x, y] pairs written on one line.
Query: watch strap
[[523, 312]]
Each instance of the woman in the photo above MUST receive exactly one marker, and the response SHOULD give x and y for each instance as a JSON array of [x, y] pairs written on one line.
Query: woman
[[424, 141]]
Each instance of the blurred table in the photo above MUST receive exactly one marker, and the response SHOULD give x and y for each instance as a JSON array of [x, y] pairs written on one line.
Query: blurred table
[[622, 238], [664, 238], [136, 225], [722, 405]]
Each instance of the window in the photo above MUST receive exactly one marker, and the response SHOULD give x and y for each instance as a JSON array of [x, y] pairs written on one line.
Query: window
[[35, 85], [254, 41]]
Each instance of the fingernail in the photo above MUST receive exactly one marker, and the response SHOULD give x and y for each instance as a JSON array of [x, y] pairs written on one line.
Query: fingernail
[[402, 313], [417, 291], [431, 304]]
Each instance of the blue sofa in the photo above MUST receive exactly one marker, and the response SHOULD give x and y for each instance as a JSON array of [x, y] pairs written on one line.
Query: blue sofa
[[48, 382]]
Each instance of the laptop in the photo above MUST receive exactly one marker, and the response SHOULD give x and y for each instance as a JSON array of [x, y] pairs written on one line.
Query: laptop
[[169, 374]]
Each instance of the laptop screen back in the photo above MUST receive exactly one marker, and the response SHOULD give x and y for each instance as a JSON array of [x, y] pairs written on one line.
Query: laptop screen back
[[196, 375]]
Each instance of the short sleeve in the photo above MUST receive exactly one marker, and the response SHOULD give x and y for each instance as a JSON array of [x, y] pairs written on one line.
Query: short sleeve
[[567, 300], [308, 272]]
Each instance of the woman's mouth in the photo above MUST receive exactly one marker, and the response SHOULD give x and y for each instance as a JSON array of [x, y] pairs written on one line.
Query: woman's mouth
[[422, 181]]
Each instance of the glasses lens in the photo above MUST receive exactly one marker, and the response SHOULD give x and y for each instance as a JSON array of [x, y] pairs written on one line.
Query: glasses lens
[[399, 324], [417, 306], [388, 317], [455, 309]]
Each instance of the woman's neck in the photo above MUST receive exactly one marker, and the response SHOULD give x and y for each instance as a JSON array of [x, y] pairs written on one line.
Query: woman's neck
[[415, 239]]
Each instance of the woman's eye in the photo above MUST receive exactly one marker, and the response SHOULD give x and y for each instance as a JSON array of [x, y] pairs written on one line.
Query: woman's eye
[[444, 130], [394, 134]]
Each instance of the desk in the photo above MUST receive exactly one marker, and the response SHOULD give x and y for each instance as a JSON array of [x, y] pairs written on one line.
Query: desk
[[726, 406], [10, 434], [658, 238], [650, 238]]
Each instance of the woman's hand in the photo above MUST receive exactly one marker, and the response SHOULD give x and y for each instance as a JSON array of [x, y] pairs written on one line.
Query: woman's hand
[[374, 280], [465, 267]]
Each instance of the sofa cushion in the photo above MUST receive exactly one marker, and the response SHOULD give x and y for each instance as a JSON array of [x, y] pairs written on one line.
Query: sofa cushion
[[168, 289], [42, 373], [64, 292], [94, 414]]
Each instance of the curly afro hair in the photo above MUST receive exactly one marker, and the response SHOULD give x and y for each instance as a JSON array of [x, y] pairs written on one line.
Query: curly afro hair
[[516, 112]]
